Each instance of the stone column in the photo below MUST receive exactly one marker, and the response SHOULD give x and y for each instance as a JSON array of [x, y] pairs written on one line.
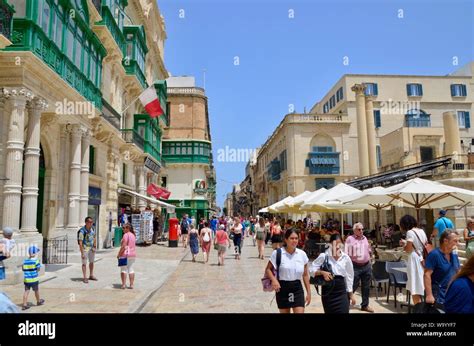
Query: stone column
[[141, 185], [75, 177], [371, 141], [3, 136], [31, 168], [359, 90], [14, 156], [452, 138], [86, 141], [61, 215]]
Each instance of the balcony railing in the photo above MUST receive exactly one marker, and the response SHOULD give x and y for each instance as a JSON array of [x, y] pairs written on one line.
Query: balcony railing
[[317, 118], [30, 37], [132, 136], [110, 114], [187, 91], [6, 19], [418, 122], [109, 21], [153, 151]]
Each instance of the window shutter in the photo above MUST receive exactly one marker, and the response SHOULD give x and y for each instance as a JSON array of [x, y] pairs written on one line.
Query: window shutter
[[452, 90], [408, 90], [376, 90], [377, 120], [463, 90], [306, 163], [467, 120], [420, 89]]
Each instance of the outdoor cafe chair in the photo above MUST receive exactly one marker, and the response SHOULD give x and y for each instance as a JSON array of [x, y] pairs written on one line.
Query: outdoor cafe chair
[[379, 276], [398, 280]]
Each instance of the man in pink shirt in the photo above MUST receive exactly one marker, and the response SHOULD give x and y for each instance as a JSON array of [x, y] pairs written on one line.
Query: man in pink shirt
[[358, 249]]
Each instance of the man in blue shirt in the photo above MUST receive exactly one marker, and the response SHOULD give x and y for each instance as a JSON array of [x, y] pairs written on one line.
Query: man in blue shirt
[[440, 225], [440, 267], [214, 223]]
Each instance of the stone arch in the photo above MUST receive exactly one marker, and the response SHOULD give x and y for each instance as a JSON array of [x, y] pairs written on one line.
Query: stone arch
[[322, 140]]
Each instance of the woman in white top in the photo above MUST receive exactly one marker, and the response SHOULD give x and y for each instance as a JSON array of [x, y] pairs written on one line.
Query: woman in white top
[[206, 238], [335, 296], [287, 282], [414, 243]]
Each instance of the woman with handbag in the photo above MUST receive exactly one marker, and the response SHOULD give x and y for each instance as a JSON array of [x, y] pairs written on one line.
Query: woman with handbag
[[289, 273], [221, 241], [413, 245], [206, 241], [336, 266], [126, 255]]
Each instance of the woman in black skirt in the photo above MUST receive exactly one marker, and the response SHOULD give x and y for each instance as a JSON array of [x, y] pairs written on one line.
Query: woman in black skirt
[[287, 281], [336, 295]]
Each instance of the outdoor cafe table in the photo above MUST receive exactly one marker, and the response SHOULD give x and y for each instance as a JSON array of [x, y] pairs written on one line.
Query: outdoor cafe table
[[391, 255]]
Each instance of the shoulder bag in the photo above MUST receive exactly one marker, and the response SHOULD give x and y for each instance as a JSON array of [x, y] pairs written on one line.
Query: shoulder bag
[[266, 281]]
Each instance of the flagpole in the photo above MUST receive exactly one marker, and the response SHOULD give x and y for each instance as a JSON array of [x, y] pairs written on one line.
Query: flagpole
[[125, 109]]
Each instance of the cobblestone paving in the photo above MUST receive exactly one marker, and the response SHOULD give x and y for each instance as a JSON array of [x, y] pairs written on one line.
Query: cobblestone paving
[[233, 288]]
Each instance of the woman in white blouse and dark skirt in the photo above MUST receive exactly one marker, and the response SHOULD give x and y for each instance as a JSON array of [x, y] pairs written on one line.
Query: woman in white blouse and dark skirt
[[293, 268], [336, 295]]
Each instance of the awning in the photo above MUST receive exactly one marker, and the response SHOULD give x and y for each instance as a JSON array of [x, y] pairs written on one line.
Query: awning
[[170, 208]]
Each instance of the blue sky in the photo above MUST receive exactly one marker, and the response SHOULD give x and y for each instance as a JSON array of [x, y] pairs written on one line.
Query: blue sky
[[285, 61]]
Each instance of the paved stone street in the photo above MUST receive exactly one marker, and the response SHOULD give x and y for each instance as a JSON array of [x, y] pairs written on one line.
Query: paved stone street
[[167, 281], [234, 288], [64, 290]]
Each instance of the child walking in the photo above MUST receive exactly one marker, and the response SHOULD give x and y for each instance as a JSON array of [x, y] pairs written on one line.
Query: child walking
[[31, 267]]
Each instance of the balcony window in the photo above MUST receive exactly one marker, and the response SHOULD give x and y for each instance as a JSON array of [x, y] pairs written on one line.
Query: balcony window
[[326, 107], [332, 101], [414, 90], [379, 156], [283, 160], [377, 119], [464, 120], [323, 160], [458, 90], [417, 118], [371, 89], [44, 11], [339, 95]]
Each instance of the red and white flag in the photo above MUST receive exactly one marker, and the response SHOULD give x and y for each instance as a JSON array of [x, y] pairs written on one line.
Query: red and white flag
[[150, 101], [158, 191]]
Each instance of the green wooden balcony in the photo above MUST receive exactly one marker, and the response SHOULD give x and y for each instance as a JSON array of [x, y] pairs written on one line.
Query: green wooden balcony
[[28, 36], [132, 136], [109, 21]]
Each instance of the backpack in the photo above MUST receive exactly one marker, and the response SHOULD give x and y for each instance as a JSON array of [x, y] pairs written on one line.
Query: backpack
[[184, 225], [78, 233]]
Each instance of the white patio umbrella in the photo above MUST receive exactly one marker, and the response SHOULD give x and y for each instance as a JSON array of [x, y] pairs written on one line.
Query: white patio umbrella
[[274, 206], [291, 206], [327, 202], [417, 193], [263, 210]]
